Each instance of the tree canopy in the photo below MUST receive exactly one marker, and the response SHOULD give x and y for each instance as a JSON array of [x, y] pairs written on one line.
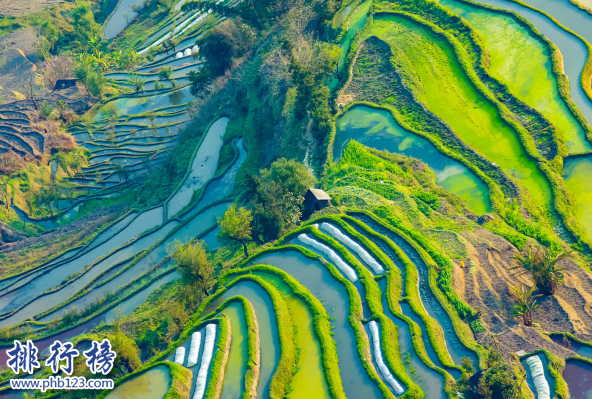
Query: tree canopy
[[193, 263], [235, 226]]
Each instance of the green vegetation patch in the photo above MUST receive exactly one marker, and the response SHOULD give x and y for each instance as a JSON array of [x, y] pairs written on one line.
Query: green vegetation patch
[[317, 372], [429, 66], [524, 63]]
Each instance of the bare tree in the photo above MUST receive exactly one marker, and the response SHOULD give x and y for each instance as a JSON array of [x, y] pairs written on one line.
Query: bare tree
[[26, 77], [3, 48], [57, 68]]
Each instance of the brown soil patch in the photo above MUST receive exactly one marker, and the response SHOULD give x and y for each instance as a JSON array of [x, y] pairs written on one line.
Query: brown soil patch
[[15, 8], [488, 289]]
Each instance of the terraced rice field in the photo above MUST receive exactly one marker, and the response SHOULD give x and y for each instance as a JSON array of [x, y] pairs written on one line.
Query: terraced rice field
[[437, 79], [522, 61], [403, 287]]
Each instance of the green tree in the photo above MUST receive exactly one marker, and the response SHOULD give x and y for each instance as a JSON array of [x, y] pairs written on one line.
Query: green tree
[[45, 110], [276, 196], [137, 81], [291, 174], [85, 27], [526, 304], [72, 161], [543, 265], [128, 356], [166, 73], [4, 190], [467, 365], [235, 226], [218, 47], [93, 80], [320, 109], [121, 171], [48, 195], [193, 263], [498, 381]]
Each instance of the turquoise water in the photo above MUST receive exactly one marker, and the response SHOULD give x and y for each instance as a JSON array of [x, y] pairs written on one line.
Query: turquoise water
[[377, 129], [314, 276], [268, 330]]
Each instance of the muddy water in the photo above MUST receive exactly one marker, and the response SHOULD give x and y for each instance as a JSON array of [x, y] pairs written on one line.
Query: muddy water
[[578, 376], [203, 167], [433, 307], [151, 384], [377, 129], [268, 331], [314, 276]]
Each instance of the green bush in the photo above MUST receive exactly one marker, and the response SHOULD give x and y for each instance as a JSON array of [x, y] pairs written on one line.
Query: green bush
[[45, 110]]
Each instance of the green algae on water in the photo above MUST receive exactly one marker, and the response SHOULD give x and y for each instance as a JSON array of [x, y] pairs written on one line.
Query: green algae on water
[[152, 384], [268, 328], [309, 380], [377, 129], [577, 173], [523, 63], [430, 69], [234, 377]]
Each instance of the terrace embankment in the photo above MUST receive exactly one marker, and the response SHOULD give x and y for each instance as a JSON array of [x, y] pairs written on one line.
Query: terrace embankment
[[55, 240]]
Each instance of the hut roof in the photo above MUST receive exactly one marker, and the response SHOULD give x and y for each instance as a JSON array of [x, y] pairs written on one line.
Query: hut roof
[[319, 194]]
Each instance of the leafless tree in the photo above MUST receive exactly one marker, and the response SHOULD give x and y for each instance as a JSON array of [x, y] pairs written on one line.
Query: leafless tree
[[3, 48], [26, 77]]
